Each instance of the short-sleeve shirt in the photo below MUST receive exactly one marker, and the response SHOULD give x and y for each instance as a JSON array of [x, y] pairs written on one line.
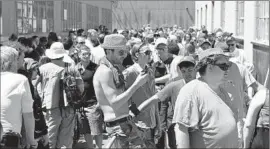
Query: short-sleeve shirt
[[171, 90], [147, 118], [51, 75], [209, 119], [16, 99], [238, 79]]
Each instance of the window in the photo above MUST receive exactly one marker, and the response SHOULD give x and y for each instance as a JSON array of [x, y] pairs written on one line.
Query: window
[[1, 24], [262, 21], [197, 19], [92, 17], [201, 17], [223, 7], [34, 16], [213, 15], [240, 18], [71, 15], [205, 15], [107, 17]]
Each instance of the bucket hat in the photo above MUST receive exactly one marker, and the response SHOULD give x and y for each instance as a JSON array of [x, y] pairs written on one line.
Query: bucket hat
[[57, 51], [114, 41]]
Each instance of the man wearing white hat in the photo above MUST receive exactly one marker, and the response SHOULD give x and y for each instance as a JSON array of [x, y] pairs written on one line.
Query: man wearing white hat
[[110, 91], [59, 118]]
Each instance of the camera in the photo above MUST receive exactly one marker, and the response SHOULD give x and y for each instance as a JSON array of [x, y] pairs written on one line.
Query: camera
[[11, 140]]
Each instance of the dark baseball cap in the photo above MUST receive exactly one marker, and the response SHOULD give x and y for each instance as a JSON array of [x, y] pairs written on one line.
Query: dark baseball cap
[[187, 59], [230, 39]]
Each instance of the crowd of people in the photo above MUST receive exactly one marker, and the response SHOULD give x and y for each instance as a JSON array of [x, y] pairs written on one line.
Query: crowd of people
[[146, 88]]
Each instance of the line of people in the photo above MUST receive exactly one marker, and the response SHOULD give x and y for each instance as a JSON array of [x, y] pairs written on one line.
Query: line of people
[[150, 88]]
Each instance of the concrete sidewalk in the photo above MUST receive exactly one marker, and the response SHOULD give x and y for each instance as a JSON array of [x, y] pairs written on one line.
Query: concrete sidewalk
[[82, 144]]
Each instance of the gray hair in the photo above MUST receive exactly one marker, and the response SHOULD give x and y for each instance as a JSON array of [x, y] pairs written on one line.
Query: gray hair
[[9, 58]]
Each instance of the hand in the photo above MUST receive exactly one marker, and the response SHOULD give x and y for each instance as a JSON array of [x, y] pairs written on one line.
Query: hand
[[45, 140], [131, 114], [142, 79]]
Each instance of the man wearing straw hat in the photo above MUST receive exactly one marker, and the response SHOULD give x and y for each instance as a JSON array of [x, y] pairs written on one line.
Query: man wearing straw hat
[[59, 117], [109, 85]]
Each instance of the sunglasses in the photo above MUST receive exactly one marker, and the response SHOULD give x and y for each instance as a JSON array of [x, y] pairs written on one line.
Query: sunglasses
[[81, 42], [147, 53], [223, 66], [231, 45]]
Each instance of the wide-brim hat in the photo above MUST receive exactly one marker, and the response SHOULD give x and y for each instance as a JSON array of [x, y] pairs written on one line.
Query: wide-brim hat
[[57, 51], [114, 41]]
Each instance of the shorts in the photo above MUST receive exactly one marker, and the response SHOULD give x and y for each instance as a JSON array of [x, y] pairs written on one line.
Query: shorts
[[95, 119]]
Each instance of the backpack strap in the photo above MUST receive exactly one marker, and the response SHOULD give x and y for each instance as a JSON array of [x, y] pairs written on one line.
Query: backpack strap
[[66, 68]]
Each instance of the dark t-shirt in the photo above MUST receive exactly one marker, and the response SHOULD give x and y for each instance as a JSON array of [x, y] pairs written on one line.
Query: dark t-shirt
[[87, 75], [34, 55]]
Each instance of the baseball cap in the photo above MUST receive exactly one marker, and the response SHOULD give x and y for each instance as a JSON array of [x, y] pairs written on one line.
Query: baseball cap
[[149, 35], [161, 41], [187, 59], [203, 41], [230, 39], [211, 51]]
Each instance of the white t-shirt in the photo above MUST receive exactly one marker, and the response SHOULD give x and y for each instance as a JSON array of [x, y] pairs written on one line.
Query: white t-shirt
[[16, 99], [88, 43], [96, 54], [210, 120], [174, 69], [155, 56]]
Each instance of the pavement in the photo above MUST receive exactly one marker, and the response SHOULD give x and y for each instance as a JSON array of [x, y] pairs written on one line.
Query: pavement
[[82, 144]]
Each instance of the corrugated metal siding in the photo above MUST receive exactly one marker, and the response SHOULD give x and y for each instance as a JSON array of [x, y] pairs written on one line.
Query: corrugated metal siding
[[261, 60]]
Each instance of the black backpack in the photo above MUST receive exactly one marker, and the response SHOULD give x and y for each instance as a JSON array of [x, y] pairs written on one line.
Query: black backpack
[[70, 88]]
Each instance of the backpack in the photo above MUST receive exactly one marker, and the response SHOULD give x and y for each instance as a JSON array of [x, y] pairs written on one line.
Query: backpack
[[71, 91]]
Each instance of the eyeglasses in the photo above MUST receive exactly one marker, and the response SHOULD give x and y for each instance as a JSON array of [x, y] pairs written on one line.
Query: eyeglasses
[[81, 42], [147, 53], [230, 45], [223, 66]]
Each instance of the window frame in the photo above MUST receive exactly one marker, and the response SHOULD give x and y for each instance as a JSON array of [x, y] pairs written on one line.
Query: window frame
[[262, 26], [32, 13], [240, 18]]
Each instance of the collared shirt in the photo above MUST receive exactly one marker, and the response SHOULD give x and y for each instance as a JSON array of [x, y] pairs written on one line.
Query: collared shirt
[[143, 93]]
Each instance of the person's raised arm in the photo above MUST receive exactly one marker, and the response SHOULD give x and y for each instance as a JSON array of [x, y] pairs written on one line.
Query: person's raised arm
[[252, 115], [160, 96], [115, 98], [162, 79]]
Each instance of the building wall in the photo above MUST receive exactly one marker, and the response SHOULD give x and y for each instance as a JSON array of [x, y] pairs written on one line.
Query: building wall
[[135, 14], [257, 50], [9, 17]]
